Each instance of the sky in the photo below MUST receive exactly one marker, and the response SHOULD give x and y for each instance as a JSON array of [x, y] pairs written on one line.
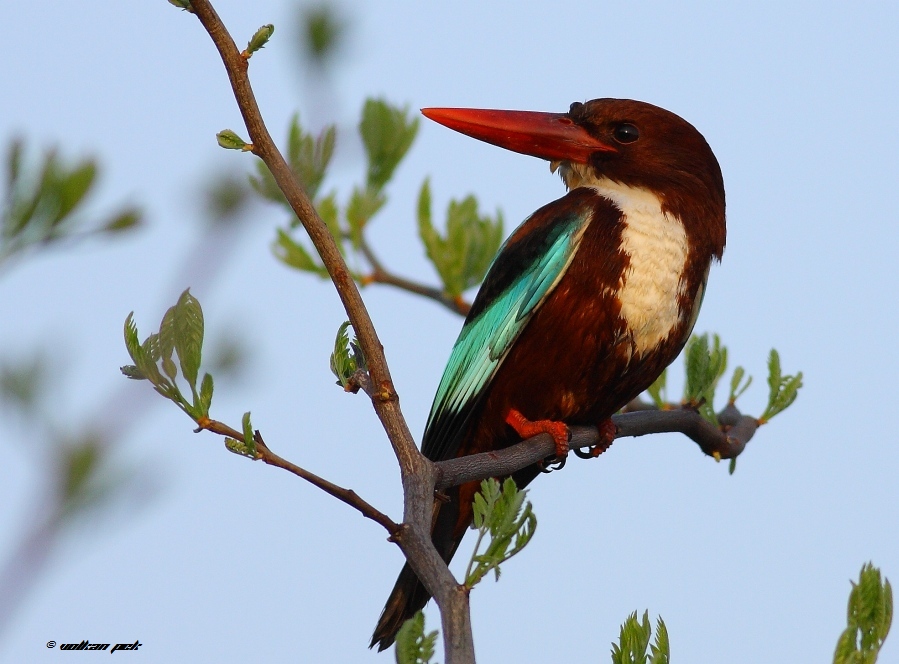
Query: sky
[[216, 559]]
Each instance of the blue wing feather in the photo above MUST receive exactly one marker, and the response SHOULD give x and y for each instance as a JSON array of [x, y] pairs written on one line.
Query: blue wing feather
[[491, 329]]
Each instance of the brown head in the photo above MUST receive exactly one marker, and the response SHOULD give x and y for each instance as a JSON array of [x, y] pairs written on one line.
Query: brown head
[[626, 141]]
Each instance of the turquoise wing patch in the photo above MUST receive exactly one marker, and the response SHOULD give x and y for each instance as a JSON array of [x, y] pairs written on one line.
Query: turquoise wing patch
[[485, 341]]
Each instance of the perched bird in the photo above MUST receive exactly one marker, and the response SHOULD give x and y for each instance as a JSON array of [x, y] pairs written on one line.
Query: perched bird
[[585, 304]]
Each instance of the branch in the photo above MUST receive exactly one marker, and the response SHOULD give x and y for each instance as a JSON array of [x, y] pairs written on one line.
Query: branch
[[728, 443], [381, 275], [265, 455], [264, 147], [418, 473]]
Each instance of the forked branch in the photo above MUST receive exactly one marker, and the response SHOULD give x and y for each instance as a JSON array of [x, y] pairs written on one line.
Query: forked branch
[[417, 472]]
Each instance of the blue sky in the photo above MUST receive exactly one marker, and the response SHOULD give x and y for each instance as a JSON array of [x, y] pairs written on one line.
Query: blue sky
[[228, 561]]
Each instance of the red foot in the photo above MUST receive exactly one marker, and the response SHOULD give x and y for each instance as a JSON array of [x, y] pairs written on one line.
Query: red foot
[[607, 432], [526, 429]]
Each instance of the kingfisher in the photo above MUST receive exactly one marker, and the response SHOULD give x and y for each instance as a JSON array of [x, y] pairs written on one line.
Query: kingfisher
[[586, 302]]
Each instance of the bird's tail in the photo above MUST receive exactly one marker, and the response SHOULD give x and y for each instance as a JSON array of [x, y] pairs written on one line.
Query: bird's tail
[[409, 595], [452, 519]]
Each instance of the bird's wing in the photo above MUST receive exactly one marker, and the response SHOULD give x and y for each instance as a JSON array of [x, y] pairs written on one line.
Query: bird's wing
[[524, 272]]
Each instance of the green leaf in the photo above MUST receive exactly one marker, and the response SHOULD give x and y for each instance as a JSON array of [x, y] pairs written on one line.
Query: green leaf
[[347, 357], [123, 221], [364, 204], [73, 188], [328, 211], [660, 649], [132, 341], [309, 157], [31, 209], [168, 366], [80, 466], [13, 165], [131, 371], [181, 332], [147, 358], [735, 389], [263, 183], [463, 256], [869, 616], [188, 336], [783, 390], [151, 348], [658, 390], [633, 642], [413, 646], [206, 395], [387, 133], [426, 230], [239, 447], [182, 4], [292, 253], [230, 140], [260, 38], [42, 206], [705, 366], [502, 515], [323, 30], [23, 383], [167, 333], [225, 196], [248, 440]]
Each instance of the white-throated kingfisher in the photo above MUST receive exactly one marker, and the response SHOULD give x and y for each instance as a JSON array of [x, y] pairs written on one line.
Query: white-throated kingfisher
[[586, 302]]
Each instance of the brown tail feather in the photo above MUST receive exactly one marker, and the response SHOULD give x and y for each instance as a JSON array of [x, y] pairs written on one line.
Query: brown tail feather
[[408, 597]]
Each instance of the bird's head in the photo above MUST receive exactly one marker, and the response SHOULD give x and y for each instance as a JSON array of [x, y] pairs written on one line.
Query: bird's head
[[625, 141]]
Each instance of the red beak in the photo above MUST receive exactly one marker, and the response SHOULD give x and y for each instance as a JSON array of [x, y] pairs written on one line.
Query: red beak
[[552, 136]]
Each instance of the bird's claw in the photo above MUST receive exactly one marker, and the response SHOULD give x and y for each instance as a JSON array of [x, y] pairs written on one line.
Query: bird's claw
[[584, 452], [549, 464], [606, 436]]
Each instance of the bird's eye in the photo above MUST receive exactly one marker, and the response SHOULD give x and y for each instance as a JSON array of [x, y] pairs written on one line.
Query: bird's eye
[[626, 133]]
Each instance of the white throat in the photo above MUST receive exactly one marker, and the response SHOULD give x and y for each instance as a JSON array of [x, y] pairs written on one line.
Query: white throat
[[657, 249]]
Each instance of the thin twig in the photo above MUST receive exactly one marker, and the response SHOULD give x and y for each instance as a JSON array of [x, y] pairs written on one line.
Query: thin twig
[[265, 455], [381, 275]]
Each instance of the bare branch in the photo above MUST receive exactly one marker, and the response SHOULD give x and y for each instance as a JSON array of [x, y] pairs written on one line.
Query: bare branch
[[381, 275], [418, 473], [720, 444], [386, 405], [265, 455]]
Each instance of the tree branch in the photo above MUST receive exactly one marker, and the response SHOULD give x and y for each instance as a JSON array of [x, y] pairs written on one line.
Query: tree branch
[[264, 147], [726, 443], [418, 473], [381, 275], [265, 455]]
